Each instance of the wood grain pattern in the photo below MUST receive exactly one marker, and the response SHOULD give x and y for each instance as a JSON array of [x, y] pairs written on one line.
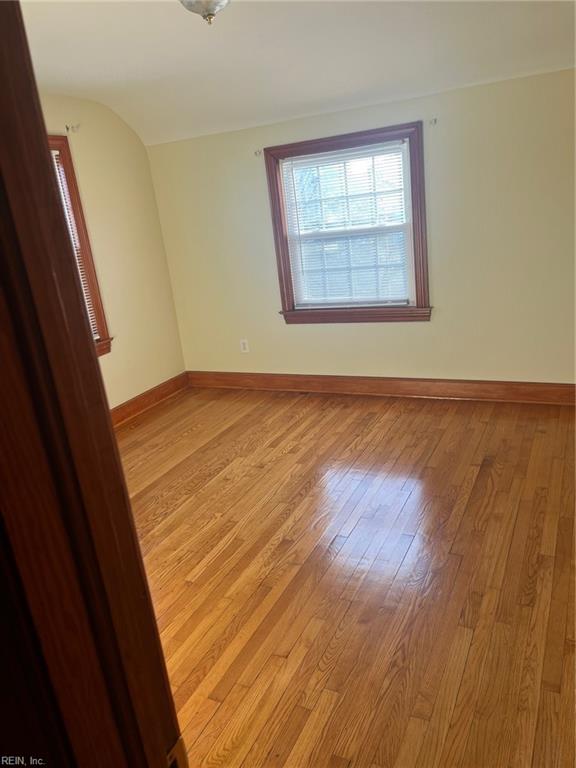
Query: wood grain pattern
[[356, 582], [493, 391], [458, 389]]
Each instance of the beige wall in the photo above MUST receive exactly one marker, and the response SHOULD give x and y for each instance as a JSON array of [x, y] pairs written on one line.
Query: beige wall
[[121, 215], [499, 185]]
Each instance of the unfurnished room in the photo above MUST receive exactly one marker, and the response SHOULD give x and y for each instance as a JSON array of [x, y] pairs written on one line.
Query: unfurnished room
[[287, 383]]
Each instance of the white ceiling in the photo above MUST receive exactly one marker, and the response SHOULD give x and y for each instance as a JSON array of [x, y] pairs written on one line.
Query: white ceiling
[[170, 76]]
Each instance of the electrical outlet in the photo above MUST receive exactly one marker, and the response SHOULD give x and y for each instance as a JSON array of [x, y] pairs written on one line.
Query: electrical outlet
[[244, 346]]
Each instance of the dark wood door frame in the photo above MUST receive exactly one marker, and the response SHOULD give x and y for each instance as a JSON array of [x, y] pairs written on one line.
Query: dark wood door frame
[[63, 501]]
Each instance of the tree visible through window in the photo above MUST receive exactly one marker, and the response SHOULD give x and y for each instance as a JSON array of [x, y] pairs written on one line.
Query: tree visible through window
[[349, 221], [72, 206]]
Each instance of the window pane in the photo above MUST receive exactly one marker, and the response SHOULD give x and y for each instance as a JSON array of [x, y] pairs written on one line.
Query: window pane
[[364, 251], [334, 214], [362, 211], [332, 180], [354, 269], [392, 249], [312, 255], [362, 196], [336, 255], [313, 287], [360, 176], [310, 216], [388, 172], [363, 284], [307, 184], [337, 285], [391, 208]]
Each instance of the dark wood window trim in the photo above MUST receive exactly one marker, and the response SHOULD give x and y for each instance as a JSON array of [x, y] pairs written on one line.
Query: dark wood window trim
[[421, 310], [104, 341]]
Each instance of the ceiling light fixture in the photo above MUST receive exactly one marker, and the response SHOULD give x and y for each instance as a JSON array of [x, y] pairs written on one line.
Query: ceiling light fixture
[[205, 8]]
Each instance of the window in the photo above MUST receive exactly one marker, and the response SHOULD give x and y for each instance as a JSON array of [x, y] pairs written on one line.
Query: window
[[350, 228], [70, 197]]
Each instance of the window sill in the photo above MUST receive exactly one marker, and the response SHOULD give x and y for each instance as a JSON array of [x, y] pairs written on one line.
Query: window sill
[[358, 315], [103, 346]]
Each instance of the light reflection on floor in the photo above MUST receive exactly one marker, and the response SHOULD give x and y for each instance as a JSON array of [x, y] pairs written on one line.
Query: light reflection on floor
[[381, 507]]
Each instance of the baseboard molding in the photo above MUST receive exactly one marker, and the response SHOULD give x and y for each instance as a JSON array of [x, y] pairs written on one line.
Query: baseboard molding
[[137, 405], [442, 389], [495, 391]]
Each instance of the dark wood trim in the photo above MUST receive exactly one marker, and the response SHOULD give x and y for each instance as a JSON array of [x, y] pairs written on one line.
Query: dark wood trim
[[415, 137], [141, 403], [359, 315], [344, 141], [63, 498], [60, 143], [458, 389], [411, 132], [279, 227], [103, 346], [26, 730], [177, 757], [38, 538]]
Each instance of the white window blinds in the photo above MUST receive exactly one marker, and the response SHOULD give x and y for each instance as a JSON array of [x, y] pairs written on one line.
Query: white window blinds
[[73, 232], [348, 218]]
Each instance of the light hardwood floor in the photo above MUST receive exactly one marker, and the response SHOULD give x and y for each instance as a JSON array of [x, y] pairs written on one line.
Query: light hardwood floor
[[347, 582]]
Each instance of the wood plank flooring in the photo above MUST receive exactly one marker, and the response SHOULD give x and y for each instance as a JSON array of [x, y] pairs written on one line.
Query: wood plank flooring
[[349, 582]]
